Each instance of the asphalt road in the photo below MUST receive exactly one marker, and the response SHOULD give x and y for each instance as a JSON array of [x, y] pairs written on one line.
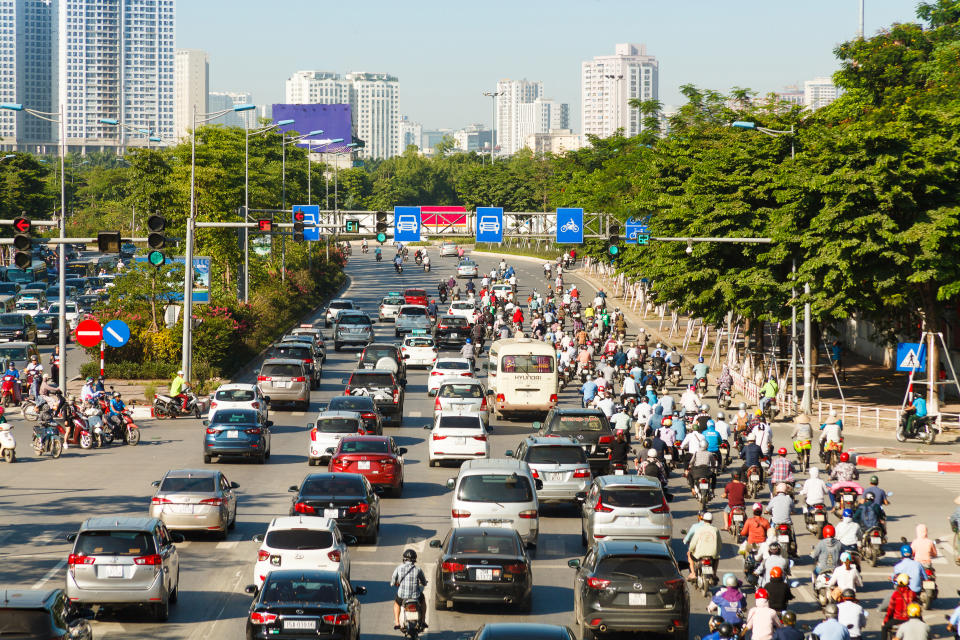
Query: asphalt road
[[42, 500]]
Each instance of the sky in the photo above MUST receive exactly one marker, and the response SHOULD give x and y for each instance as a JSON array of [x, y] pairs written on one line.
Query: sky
[[447, 53]]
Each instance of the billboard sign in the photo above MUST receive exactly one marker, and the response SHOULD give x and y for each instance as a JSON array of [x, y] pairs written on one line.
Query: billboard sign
[[201, 276], [333, 119], [444, 219]]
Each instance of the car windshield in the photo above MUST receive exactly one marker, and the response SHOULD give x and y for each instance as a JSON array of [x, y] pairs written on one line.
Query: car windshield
[[461, 391], [114, 543], [45, 318], [462, 306], [300, 590], [338, 425], [635, 567], [235, 395], [372, 354], [393, 301], [495, 488], [351, 403], [371, 380], [632, 497], [28, 304], [495, 543], [419, 342], [29, 623], [364, 446], [9, 288], [233, 416], [300, 539], [527, 364], [354, 318], [556, 455], [335, 485], [413, 311], [13, 353], [460, 422], [453, 365], [573, 424], [281, 371], [176, 484]]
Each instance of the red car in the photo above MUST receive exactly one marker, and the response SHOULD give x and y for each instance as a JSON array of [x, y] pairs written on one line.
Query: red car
[[415, 296], [378, 458]]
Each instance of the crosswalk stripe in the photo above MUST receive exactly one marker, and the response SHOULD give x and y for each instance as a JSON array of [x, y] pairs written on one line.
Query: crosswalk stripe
[[231, 544]]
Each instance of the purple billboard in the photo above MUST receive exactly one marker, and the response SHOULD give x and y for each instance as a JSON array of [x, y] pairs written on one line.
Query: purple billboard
[[333, 119]]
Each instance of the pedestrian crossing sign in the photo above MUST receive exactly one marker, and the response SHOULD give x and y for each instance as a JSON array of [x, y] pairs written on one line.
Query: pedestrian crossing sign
[[911, 357]]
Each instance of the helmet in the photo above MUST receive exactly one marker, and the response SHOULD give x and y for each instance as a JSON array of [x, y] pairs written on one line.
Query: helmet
[[903, 579], [666, 422], [789, 618], [651, 453], [870, 497], [781, 451], [874, 480], [844, 457], [845, 556], [1, 411], [116, 394], [725, 630], [774, 547], [410, 555], [33, 358], [649, 387], [711, 424], [719, 415], [704, 407], [730, 580], [700, 359], [762, 594], [179, 373], [848, 594], [913, 610], [715, 621], [90, 378], [906, 551], [707, 516], [831, 611], [742, 406], [757, 412], [469, 341], [433, 301], [46, 376], [847, 513], [776, 572], [828, 531], [659, 345]]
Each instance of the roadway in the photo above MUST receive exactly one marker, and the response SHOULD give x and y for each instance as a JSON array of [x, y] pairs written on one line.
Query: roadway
[[43, 500]]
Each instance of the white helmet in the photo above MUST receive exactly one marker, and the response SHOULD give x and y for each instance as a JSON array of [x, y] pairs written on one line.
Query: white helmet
[[651, 453]]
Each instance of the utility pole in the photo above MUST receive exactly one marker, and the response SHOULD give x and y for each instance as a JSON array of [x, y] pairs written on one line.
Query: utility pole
[[860, 30], [493, 123]]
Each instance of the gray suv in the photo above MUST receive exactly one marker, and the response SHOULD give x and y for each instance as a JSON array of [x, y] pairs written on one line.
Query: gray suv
[[625, 508], [352, 327], [285, 380], [124, 561], [410, 317], [560, 464]]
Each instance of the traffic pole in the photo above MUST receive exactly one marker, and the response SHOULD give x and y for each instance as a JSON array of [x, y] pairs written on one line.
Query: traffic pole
[[101, 357]]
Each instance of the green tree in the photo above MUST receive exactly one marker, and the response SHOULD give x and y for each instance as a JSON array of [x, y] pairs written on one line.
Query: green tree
[[143, 286]]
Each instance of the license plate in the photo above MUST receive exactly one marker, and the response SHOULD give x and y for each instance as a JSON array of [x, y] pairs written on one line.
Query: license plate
[[114, 571], [487, 574], [738, 518], [494, 523], [783, 538], [707, 570], [876, 539], [181, 508], [618, 472], [454, 335], [299, 624], [556, 476], [233, 434], [630, 521], [286, 385], [363, 464], [754, 478], [331, 513], [637, 599], [819, 517], [929, 584]]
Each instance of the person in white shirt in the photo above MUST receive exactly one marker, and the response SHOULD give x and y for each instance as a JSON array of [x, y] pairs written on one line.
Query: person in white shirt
[[621, 421], [851, 614], [762, 436], [847, 532], [814, 490], [846, 575], [690, 401], [693, 442], [601, 382], [604, 402], [642, 415], [565, 358], [630, 388], [831, 432], [633, 354], [567, 341], [722, 427]]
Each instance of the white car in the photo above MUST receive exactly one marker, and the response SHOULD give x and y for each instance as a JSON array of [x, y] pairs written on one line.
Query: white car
[[419, 351], [239, 396], [334, 309], [301, 542], [390, 307], [72, 313], [464, 309], [327, 431], [446, 368], [490, 224], [460, 397], [455, 437], [468, 269], [503, 291], [29, 307], [407, 223], [448, 249]]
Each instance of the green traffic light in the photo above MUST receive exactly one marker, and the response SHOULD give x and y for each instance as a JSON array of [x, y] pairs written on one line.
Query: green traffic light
[[156, 258], [381, 238], [613, 249]]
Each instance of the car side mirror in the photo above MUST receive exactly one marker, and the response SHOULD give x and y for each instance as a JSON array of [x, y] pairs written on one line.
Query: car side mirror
[[508, 453], [329, 450], [360, 591], [266, 399], [251, 589], [538, 483], [269, 423], [310, 425], [402, 451], [234, 485], [574, 564], [581, 497], [258, 537], [206, 423], [451, 483], [435, 544], [155, 483], [427, 427], [72, 537], [176, 538], [293, 489]]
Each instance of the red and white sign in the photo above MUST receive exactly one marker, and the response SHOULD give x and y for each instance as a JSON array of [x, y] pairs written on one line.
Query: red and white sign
[[443, 219], [89, 333]]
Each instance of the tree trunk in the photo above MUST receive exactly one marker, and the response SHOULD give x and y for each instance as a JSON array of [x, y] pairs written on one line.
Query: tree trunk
[[746, 334]]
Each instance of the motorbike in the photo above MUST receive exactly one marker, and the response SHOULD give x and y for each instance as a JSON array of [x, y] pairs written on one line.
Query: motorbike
[[411, 619], [364, 248], [8, 444], [723, 397], [820, 587], [815, 518], [707, 578], [750, 564], [831, 457], [426, 267], [738, 516], [724, 453], [846, 499], [7, 390], [703, 491], [770, 410], [619, 468], [167, 407], [702, 386], [443, 297], [930, 591], [398, 267], [786, 538], [675, 375], [379, 257], [753, 482], [803, 457], [81, 435], [47, 439], [102, 435], [925, 429]]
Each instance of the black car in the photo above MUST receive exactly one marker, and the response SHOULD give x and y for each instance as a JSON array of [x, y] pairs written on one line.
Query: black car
[[383, 387], [348, 498], [589, 427], [525, 630], [48, 325], [41, 613], [237, 432], [299, 604], [451, 330], [376, 350], [365, 406], [299, 351], [80, 284], [17, 327], [630, 585], [481, 564], [87, 302], [9, 288]]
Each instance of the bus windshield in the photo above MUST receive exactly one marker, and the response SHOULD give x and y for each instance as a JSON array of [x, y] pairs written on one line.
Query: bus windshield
[[526, 364]]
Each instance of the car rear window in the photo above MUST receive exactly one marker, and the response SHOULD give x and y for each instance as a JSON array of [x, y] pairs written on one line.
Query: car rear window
[[415, 293], [419, 342], [556, 455], [291, 350], [13, 353], [393, 301], [572, 424], [281, 371], [364, 446], [527, 364], [372, 354], [454, 321], [414, 311], [495, 543], [461, 391], [354, 319], [338, 425], [299, 539], [11, 319], [114, 543], [236, 395], [351, 403], [371, 380], [495, 488], [28, 623], [203, 484], [636, 567], [460, 422], [632, 497], [453, 365], [233, 416], [341, 304], [301, 590], [335, 485]]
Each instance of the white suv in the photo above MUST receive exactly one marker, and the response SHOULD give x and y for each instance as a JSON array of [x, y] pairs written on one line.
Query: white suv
[[301, 542], [457, 437]]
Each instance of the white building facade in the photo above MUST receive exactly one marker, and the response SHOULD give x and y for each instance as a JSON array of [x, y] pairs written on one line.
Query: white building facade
[[220, 100], [191, 88], [513, 94], [609, 83], [820, 92], [410, 133], [27, 47]]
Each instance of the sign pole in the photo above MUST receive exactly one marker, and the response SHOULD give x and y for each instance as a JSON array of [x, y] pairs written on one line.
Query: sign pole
[[101, 358]]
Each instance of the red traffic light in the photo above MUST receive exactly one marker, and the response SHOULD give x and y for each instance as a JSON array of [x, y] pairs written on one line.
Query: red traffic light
[[22, 225], [265, 225], [298, 216]]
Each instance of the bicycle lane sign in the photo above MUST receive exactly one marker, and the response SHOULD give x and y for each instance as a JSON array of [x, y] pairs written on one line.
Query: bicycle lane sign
[[569, 226]]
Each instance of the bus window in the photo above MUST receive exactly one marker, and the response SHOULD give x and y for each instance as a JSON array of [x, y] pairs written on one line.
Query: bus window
[[526, 364]]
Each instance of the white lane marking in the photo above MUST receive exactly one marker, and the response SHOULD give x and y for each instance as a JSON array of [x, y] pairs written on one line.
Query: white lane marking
[[384, 563], [297, 414], [415, 414], [217, 618], [49, 574], [371, 549], [231, 544]]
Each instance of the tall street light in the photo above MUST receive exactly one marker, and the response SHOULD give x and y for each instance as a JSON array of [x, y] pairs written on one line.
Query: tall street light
[[246, 197], [283, 179], [310, 168], [806, 400], [493, 95], [60, 119], [326, 180], [617, 77], [151, 134], [198, 118]]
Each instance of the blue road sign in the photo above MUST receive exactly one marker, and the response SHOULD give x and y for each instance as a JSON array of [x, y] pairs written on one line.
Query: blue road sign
[[406, 224], [311, 214], [634, 228], [312, 234], [911, 356], [569, 226], [116, 333], [489, 224]]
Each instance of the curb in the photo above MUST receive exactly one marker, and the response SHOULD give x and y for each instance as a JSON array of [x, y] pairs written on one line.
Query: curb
[[900, 464]]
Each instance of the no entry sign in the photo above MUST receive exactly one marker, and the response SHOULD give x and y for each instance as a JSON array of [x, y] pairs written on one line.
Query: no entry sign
[[89, 333]]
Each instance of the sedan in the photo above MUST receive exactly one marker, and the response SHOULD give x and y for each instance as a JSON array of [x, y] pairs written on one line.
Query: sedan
[[451, 330], [195, 499], [419, 350], [446, 368], [468, 269], [465, 309], [377, 458], [457, 438], [525, 630], [47, 328], [301, 604], [348, 498], [236, 432], [479, 564], [448, 249], [334, 309], [240, 396]]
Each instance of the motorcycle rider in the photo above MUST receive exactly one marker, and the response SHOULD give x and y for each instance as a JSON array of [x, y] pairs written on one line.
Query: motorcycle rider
[[48, 390], [734, 492], [729, 603], [379, 253], [725, 382], [827, 552], [762, 434], [851, 614], [769, 392], [869, 514], [844, 475], [879, 495], [802, 434], [722, 427], [848, 531], [914, 628], [87, 392], [742, 419], [788, 631], [689, 401], [467, 351], [778, 589], [14, 375], [761, 620], [780, 506], [700, 370], [781, 469], [397, 262], [916, 409], [897, 608], [773, 560], [830, 628], [177, 389], [846, 576], [620, 420], [712, 439], [924, 549], [363, 245], [410, 581], [652, 466], [755, 528], [34, 372], [751, 454], [620, 450], [703, 540], [831, 433], [913, 569], [115, 417], [703, 464]]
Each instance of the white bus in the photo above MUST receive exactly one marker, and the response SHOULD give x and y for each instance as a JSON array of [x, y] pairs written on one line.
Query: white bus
[[522, 375]]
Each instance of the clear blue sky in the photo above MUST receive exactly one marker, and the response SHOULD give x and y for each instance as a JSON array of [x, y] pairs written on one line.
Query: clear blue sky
[[446, 53]]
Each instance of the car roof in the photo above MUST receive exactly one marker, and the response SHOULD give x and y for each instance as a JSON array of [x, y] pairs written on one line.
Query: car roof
[[26, 598], [494, 464], [119, 523], [237, 386], [479, 531], [370, 371], [454, 380], [350, 397], [550, 441], [366, 438], [191, 473], [462, 360], [628, 547], [338, 413], [350, 300], [313, 574], [573, 411], [622, 481], [283, 361], [302, 522], [376, 345], [411, 306]]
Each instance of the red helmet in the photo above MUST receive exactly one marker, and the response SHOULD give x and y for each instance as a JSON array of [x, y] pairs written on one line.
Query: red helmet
[[844, 457], [776, 572], [781, 451], [828, 531], [762, 594]]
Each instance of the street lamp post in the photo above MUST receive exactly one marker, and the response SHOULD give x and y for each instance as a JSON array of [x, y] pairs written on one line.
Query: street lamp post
[[283, 180], [617, 77], [493, 123], [326, 200], [187, 346]]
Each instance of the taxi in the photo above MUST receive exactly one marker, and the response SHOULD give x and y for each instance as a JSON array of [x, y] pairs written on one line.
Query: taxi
[[419, 349], [390, 306]]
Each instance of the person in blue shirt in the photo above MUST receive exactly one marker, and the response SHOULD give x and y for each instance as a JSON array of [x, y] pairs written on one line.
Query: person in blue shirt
[[879, 495], [115, 417], [432, 308], [680, 428], [620, 359], [667, 402], [750, 454], [953, 622], [589, 390], [651, 394], [788, 631], [712, 437], [917, 409], [912, 568], [638, 374], [831, 628]]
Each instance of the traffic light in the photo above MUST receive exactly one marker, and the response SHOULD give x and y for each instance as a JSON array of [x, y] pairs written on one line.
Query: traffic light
[[613, 242], [108, 241], [381, 226], [298, 226], [156, 226], [22, 243], [265, 225]]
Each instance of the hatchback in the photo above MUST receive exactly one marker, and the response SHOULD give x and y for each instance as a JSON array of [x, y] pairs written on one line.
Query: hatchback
[[352, 328], [48, 326], [630, 586], [377, 458], [335, 307], [448, 249], [446, 368], [525, 630], [309, 339], [120, 561], [451, 330], [365, 406], [17, 326], [195, 500], [419, 350], [375, 351], [415, 296], [411, 318], [348, 498], [464, 309], [457, 438], [589, 427], [498, 493], [303, 352], [41, 613], [285, 380], [559, 463], [240, 396], [236, 432], [624, 507], [328, 430], [456, 397], [390, 306], [301, 542]]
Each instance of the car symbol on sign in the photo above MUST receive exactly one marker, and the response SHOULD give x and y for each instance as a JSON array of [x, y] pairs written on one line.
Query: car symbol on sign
[[407, 223], [489, 224], [570, 226]]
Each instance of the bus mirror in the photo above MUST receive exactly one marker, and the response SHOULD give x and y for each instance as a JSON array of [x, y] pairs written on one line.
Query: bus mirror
[[536, 426]]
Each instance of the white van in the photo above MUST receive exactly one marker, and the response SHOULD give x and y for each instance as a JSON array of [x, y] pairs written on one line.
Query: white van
[[522, 375], [497, 493]]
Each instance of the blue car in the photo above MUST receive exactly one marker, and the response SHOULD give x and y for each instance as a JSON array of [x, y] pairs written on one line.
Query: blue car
[[236, 432]]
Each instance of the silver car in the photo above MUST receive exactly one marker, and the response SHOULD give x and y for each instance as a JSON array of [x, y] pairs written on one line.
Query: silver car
[[560, 463], [468, 269], [411, 317], [123, 561], [448, 249], [390, 307], [195, 499], [285, 380], [352, 328], [625, 508]]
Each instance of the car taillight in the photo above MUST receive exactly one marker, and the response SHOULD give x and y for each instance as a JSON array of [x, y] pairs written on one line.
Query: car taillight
[[213, 404], [453, 567], [76, 558], [676, 583], [466, 374], [264, 379], [436, 373], [458, 513], [500, 397], [257, 617], [263, 556], [602, 507], [483, 404], [553, 397], [533, 472], [437, 436], [929, 573], [299, 379], [368, 416], [663, 508], [337, 462], [255, 405], [581, 473], [515, 568], [597, 583], [313, 434], [300, 507], [605, 440], [346, 391], [338, 619], [254, 432], [308, 360], [480, 438], [362, 507], [334, 556], [436, 405], [216, 502], [159, 501], [396, 396], [211, 431], [153, 560], [529, 514]]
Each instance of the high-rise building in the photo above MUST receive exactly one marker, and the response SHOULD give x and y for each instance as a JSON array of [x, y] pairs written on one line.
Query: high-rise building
[[191, 86], [27, 37], [473, 137], [221, 100], [409, 133], [542, 116], [609, 83], [513, 94], [820, 92], [374, 99], [116, 61]]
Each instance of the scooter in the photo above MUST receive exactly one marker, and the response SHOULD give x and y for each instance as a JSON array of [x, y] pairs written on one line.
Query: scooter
[[815, 518], [426, 266], [702, 386], [675, 375], [846, 499], [738, 516], [704, 493], [750, 564], [411, 619], [723, 398], [167, 407], [930, 591], [925, 429], [753, 482], [7, 390], [706, 574], [8, 444], [820, 587], [47, 439], [872, 545], [379, 257], [787, 539]]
